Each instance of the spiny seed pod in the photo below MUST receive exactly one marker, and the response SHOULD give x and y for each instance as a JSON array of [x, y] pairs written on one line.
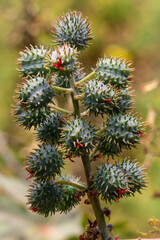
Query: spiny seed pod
[[30, 118], [49, 131], [63, 60], [114, 71], [109, 179], [123, 131], [32, 61], [124, 103], [44, 197], [78, 136], [71, 28], [121, 179], [134, 173], [35, 93], [64, 80], [99, 98], [45, 163], [68, 200]]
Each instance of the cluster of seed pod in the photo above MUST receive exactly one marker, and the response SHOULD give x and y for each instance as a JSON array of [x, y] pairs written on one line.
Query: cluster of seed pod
[[65, 134]]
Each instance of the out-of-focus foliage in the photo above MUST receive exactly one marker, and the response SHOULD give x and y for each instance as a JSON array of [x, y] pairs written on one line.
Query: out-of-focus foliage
[[155, 233], [127, 28]]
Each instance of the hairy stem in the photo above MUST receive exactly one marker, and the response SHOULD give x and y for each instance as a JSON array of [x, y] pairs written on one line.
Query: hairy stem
[[88, 169]]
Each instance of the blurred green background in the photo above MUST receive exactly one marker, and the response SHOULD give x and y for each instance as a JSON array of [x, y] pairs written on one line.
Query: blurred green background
[[129, 28]]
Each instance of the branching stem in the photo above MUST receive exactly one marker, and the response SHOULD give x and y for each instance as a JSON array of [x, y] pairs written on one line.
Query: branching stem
[[87, 166], [77, 84], [79, 97], [94, 151], [75, 102], [95, 200], [83, 114], [62, 110], [97, 147], [102, 130], [73, 184], [67, 90]]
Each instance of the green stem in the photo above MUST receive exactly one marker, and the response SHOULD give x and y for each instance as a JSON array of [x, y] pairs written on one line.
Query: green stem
[[85, 113], [77, 84], [94, 151], [101, 130], [75, 102], [75, 106], [97, 147], [73, 184], [95, 200], [87, 167], [67, 90], [78, 97], [59, 109]]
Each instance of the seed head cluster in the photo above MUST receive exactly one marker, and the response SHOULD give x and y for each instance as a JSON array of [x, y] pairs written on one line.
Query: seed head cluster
[[98, 127]]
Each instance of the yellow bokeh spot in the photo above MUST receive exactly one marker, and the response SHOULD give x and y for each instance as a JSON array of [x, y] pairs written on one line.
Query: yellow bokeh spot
[[115, 50]]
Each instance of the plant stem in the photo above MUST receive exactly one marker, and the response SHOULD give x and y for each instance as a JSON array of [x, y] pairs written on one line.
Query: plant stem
[[102, 130], [59, 109], [96, 148], [67, 90], [75, 106], [78, 97], [74, 184], [75, 102], [95, 200], [77, 84], [83, 114], [88, 169], [94, 151]]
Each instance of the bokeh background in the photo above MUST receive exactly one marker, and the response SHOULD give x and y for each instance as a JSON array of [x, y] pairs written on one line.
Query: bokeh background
[[130, 28]]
